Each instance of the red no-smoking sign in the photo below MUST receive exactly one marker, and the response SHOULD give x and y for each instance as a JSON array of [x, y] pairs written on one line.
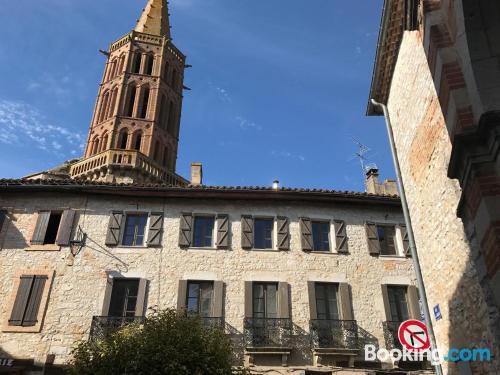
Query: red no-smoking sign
[[413, 335]]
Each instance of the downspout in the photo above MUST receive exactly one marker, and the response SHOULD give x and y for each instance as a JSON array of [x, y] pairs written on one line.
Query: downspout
[[411, 237]]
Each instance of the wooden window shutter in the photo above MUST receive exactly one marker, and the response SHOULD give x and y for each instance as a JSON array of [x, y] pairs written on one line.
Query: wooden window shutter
[[65, 228], [222, 231], [31, 314], [114, 228], [141, 298], [283, 303], [246, 232], [248, 299], [182, 295], [3, 216], [283, 233], [40, 228], [306, 234], [340, 236], [107, 296], [311, 290], [372, 237], [406, 241], [413, 302], [185, 229], [387, 306], [155, 229], [218, 301], [345, 302], [22, 296]]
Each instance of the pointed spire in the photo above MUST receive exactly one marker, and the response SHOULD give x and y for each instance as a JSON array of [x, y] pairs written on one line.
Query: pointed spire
[[154, 19]]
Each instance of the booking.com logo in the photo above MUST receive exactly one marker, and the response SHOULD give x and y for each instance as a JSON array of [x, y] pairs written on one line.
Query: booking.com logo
[[433, 356]]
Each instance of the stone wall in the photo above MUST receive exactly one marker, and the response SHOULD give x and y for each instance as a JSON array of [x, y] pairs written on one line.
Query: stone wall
[[79, 284], [424, 150]]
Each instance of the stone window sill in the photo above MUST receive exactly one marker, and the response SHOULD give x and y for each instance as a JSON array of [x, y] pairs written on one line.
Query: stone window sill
[[393, 257], [48, 247]]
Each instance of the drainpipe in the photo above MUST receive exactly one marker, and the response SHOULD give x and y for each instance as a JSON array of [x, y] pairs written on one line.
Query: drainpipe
[[411, 238]]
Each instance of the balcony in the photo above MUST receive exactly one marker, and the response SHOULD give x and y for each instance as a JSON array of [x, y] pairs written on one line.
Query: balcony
[[391, 335], [98, 166], [213, 323], [103, 326], [334, 334], [267, 332]]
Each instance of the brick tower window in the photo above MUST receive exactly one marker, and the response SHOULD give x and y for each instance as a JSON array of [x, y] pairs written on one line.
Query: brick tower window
[[137, 141], [149, 64], [131, 101], [144, 103], [123, 140], [137, 63]]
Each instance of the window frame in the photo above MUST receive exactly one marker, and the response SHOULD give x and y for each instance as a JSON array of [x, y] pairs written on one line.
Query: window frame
[[34, 221], [398, 241], [273, 232], [212, 297], [329, 223], [126, 214], [265, 284], [337, 299], [43, 301], [399, 287], [214, 230]]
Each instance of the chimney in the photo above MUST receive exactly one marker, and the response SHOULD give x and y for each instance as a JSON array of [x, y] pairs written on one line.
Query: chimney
[[372, 185], [196, 174]]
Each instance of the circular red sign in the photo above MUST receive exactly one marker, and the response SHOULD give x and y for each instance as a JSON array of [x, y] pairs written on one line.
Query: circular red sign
[[414, 336]]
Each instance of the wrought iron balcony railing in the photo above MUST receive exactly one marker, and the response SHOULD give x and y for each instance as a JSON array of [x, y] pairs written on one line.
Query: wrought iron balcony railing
[[213, 322], [391, 335], [103, 326], [334, 334], [268, 332]]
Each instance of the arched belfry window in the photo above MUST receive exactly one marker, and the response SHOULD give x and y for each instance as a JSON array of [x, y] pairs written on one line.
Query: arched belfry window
[[137, 141], [137, 63], [132, 91], [166, 70], [143, 110], [112, 103], [171, 119], [123, 139], [104, 107], [95, 145], [150, 60], [163, 112], [173, 82], [121, 65], [104, 142]]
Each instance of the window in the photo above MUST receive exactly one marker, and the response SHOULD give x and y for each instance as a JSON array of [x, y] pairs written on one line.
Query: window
[[265, 300], [104, 107], [327, 301], [203, 231], [149, 64], [398, 303], [321, 235], [137, 141], [263, 233], [143, 112], [135, 227], [387, 238], [122, 143], [131, 101], [104, 143], [28, 300], [46, 228], [137, 63], [123, 301], [173, 82], [171, 119], [199, 298], [166, 70]]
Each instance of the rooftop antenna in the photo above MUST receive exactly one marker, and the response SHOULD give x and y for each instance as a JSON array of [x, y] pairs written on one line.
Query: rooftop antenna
[[362, 156]]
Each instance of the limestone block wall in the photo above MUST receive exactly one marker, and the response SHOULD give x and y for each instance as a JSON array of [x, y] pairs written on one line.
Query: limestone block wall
[[79, 283], [424, 150]]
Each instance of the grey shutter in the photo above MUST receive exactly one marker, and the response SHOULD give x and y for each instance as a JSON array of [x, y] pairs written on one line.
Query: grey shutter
[[155, 229], [372, 237], [222, 231], [306, 234], [23, 292], [246, 232], [141, 297], [311, 290], [33, 306], [3, 215], [345, 302], [65, 228], [114, 228], [185, 229], [340, 236], [107, 296], [283, 304], [413, 302], [406, 241], [283, 233], [181, 295], [248, 299], [218, 301], [387, 306], [40, 228]]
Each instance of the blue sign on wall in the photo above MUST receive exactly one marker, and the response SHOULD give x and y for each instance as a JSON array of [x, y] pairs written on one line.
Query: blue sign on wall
[[437, 312]]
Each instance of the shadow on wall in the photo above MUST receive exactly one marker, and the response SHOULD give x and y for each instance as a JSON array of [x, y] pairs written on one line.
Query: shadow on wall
[[12, 235]]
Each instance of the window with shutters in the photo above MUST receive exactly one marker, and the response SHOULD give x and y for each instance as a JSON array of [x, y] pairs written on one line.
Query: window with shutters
[[387, 239], [134, 230], [327, 306], [263, 233], [203, 231], [47, 227], [199, 298], [265, 300], [124, 295], [398, 303], [321, 235]]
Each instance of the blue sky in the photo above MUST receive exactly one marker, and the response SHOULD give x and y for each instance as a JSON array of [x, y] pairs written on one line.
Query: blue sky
[[279, 87]]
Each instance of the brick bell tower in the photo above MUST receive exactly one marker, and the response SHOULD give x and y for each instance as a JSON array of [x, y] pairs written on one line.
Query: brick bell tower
[[134, 133]]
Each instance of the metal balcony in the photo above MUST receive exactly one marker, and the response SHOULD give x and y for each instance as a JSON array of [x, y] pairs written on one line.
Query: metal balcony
[[391, 335], [103, 326], [213, 322], [267, 332], [334, 334]]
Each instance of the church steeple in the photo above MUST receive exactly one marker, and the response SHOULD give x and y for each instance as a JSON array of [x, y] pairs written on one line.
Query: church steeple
[[155, 19], [134, 132]]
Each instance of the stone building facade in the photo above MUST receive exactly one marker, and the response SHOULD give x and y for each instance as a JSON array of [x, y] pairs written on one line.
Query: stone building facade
[[70, 243], [438, 70]]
